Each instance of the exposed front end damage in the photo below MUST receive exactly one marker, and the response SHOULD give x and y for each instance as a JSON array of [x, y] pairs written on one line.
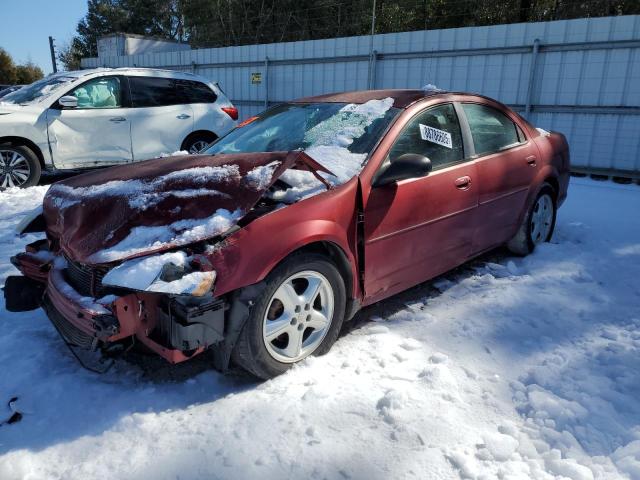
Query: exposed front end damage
[[105, 298]]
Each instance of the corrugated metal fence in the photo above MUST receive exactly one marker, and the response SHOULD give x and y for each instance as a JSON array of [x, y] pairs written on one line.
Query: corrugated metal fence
[[580, 77]]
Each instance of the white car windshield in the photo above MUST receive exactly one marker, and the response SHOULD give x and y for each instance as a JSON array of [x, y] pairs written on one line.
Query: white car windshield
[[37, 90]]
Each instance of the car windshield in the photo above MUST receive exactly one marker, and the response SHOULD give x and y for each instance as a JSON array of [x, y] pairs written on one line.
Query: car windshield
[[37, 90], [340, 136]]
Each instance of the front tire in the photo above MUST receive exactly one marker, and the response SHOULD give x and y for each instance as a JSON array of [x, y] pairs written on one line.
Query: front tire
[[538, 224], [19, 167], [298, 313]]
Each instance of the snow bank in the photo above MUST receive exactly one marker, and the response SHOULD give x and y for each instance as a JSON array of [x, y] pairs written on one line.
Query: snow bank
[[511, 369]]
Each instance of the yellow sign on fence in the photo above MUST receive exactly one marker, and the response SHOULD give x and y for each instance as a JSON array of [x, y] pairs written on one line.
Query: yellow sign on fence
[[256, 78]]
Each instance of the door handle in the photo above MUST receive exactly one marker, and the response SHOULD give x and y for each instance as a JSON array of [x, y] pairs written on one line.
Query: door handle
[[531, 160], [183, 116], [463, 183], [118, 119]]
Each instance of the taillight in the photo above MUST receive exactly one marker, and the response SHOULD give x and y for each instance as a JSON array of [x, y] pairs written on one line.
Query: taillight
[[231, 111]]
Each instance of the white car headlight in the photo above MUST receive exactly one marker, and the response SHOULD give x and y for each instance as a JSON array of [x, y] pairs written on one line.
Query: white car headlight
[[171, 273]]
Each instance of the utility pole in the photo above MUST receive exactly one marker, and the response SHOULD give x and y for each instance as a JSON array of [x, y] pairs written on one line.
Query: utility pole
[[53, 55], [371, 53]]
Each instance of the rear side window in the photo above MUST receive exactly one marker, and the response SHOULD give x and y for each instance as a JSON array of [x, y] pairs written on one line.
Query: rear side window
[[433, 133], [195, 92], [491, 130], [154, 92]]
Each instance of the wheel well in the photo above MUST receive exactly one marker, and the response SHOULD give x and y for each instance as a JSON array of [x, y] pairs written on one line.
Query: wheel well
[[21, 141], [198, 133], [337, 256], [554, 185]]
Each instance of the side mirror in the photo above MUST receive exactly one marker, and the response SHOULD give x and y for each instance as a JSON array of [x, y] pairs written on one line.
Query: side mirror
[[409, 165], [68, 101]]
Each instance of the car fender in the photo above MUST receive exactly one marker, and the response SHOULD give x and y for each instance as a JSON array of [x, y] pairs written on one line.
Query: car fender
[[545, 172], [240, 262], [248, 255], [28, 129]]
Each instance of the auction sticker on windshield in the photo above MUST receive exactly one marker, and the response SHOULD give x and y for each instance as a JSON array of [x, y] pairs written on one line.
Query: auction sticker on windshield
[[434, 135]]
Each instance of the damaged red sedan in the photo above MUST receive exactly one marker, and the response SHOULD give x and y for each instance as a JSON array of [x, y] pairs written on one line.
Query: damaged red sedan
[[261, 247]]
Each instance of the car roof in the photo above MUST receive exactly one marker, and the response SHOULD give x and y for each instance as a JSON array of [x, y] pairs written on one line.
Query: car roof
[[402, 98], [135, 71]]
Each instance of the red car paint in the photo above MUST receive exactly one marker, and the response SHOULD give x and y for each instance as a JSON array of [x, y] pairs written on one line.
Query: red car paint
[[390, 238]]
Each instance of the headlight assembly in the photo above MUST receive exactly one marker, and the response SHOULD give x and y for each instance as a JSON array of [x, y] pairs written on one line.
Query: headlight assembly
[[173, 273]]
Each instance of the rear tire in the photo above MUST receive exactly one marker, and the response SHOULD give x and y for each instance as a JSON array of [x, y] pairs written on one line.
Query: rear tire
[[19, 167], [538, 224], [198, 141], [298, 313]]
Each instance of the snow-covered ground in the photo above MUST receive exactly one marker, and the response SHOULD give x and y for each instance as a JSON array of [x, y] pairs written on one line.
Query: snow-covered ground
[[506, 368]]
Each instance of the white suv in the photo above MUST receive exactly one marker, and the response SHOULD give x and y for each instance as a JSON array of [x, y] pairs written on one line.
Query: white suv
[[102, 117]]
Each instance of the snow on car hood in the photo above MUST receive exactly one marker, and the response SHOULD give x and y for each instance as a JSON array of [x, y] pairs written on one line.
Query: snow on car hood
[[130, 210]]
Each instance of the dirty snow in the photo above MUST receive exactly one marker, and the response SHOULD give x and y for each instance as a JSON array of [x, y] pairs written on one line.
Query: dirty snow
[[508, 368]]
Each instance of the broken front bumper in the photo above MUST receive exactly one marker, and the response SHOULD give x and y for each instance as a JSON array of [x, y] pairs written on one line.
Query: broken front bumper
[[79, 320], [163, 325]]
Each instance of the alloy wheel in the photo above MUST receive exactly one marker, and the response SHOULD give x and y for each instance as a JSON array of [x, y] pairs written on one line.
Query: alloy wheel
[[298, 316], [14, 169], [541, 219], [198, 146]]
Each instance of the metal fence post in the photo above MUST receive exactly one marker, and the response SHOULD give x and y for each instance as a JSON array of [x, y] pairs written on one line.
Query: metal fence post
[[266, 82], [532, 77], [372, 70]]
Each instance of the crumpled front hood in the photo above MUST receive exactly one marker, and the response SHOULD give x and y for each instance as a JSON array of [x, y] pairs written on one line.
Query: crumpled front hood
[[132, 210]]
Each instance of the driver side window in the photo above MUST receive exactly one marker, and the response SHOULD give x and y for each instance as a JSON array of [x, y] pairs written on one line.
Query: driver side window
[[99, 93], [435, 134]]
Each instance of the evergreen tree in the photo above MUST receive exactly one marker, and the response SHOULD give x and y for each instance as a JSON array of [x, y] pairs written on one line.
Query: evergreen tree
[[7, 68]]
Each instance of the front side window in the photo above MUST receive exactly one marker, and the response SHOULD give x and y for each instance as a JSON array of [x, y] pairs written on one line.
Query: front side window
[[492, 131], [99, 93], [433, 133], [154, 92]]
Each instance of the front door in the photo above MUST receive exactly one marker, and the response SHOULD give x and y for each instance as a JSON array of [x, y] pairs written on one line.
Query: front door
[[418, 228], [95, 133]]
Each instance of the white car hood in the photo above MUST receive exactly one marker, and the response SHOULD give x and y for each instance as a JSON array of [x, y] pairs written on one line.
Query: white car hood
[[7, 108]]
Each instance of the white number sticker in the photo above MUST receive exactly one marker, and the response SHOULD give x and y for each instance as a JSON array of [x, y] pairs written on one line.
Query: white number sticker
[[434, 135]]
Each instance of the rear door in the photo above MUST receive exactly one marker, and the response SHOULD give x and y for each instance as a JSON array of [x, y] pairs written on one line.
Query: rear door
[[507, 164], [207, 116], [98, 131], [418, 228], [160, 120]]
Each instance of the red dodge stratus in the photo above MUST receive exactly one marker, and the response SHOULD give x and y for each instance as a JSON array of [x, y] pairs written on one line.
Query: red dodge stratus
[[262, 246]]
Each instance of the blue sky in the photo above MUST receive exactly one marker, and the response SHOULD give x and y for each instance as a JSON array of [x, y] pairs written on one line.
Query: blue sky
[[27, 24]]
